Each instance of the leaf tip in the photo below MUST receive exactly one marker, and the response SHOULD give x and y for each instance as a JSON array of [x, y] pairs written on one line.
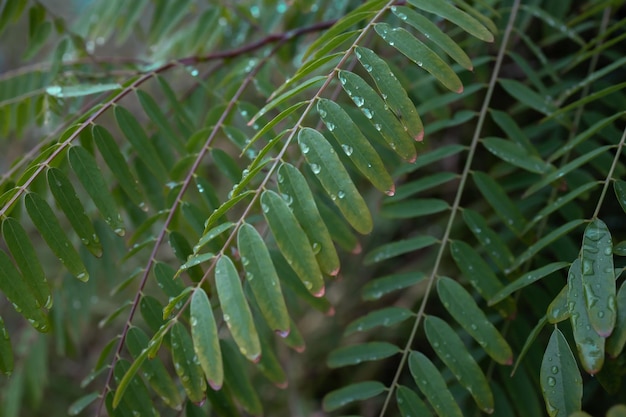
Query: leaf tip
[[320, 293], [459, 90], [335, 272], [420, 136], [283, 333], [392, 191], [357, 249], [215, 386], [282, 385], [331, 311]]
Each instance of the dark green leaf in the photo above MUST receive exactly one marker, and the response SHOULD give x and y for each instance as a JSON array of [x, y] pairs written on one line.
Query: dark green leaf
[[397, 248], [456, 16], [356, 354], [615, 343], [187, 368], [410, 208], [386, 317], [501, 203], [6, 352], [515, 154], [409, 403], [238, 381], [382, 286], [83, 402], [425, 183], [137, 397], [355, 392], [497, 250], [433, 386], [527, 279]]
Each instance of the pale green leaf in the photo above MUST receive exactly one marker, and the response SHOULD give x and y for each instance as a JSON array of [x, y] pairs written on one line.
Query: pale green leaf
[[410, 404], [561, 383], [205, 339], [356, 354], [527, 279], [45, 221], [235, 308], [422, 55], [262, 278], [187, 368], [293, 184], [221, 210], [88, 173], [456, 16], [326, 165], [80, 90], [452, 351], [382, 286], [386, 317], [267, 127], [432, 385], [354, 392], [211, 234], [461, 305]]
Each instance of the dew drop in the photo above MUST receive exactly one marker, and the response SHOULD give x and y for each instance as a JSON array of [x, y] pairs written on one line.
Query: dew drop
[[347, 149], [368, 113], [316, 168], [304, 147], [341, 194], [551, 381], [358, 101]]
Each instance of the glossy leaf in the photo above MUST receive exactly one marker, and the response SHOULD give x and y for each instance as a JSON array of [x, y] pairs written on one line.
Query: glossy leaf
[[356, 354], [386, 317], [456, 16], [45, 221], [378, 113], [26, 259], [451, 350], [262, 278], [88, 173], [382, 286], [392, 91], [501, 203], [235, 308], [187, 368], [237, 380], [399, 247], [598, 277], [409, 403], [527, 279], [463, 308], [68, 201], [589, 344], [355, 145], [293, 184], [422, 55], [354, 392], [205, 339], [292, 241], [432, 385], [111, 154], [616, 342], [561, 383], [6, 352]]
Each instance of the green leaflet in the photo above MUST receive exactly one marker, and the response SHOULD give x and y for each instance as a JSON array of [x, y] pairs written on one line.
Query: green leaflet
[[235, 308], [45, 221], [501, 203], [308, 68], [392, 91], [187, 369], [456, 16], [356, 354], [269, 365], [154, 112], [339, 231], [463, 308], [527, 279], [451, 350], [65, 196], [561, 201], [269, 125], [515, 154], [528, 96], [493, 244], [211, 234], [282, 98], [88, 173], [153, 370], [411, 188], [355, 392], [382, 286], [26, 259], [558, 309], [598, 277], [80, 90], [419, 53], [615, 343], [237, 380], [221, 210], [292, 241], [532, 336], [619, 187], [111, 154], [226, 164], [263, 279], [561, 383], [386, 317], [6, 352], [293, 184], [409, 403], [429, 158], [377, 112], [480, 275], [139, 140], [17, 292], [432, 385], [205, 339], [589, 344], [355, 145], [397, 248], [137, 397], [410, 208], [83, 402], [512, 130]]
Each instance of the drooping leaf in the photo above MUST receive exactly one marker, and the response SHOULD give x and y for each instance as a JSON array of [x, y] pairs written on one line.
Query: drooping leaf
[[292, 183], [356, 354], [292, 241], [355, 145], [451, 350], [205, 339], [463, 308], [354, 392], [589, 344], [616, 342], [409, 403], [25, 257], [377, 112], [88, 173], [384, 285], [45, 221], [235, 308], [269, 365], [598, 277], [237, 380], [187, 368], [558, 309], [433, 386], [532, 336], [456, 16], [561, 383], [262, 278], [527, 279], [66, 198], [422, 55], [386, 317]]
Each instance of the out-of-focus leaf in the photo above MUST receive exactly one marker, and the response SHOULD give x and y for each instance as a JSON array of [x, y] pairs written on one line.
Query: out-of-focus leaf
[[397, 248], [527, 279], [410, 208], [354, 392], [136, 398], [6, 352], [187, 368], [501, 203], [205, 339], [382, 286], [515, 154], [83, 402], [497, 250], [456, 16], [237, 380], [80, 90], [356, 354], [615, 343], [386, 317]]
